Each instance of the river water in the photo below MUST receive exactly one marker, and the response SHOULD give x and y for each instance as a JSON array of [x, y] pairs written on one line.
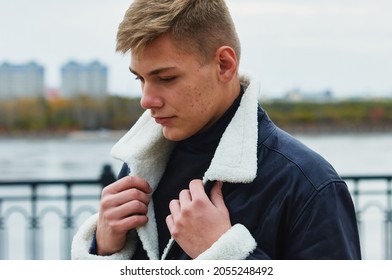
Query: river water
[[83, 155]]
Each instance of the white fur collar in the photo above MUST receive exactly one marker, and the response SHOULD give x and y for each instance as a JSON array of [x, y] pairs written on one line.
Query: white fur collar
[[146, 152]]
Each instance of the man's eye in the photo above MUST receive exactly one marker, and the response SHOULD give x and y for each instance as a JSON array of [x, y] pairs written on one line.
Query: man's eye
[[138, 78], [167, 79]]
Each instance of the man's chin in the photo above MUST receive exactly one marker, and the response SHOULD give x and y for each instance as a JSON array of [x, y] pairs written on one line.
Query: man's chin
[[173, 134]]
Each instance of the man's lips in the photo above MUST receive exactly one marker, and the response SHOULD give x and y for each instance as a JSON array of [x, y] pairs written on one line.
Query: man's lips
[[162, 120]]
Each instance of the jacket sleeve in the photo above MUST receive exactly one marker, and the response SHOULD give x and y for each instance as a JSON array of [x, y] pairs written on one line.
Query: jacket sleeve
[[326, 229], [81, 243], [236, 244]]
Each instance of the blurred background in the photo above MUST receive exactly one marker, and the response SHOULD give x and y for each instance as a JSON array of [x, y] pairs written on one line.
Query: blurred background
[[66, 97]]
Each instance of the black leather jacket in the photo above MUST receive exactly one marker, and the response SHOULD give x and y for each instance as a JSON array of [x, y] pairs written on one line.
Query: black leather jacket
[[296, 208]]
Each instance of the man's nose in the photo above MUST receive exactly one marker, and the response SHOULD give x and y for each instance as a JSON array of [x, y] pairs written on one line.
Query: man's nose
[[150, 97]]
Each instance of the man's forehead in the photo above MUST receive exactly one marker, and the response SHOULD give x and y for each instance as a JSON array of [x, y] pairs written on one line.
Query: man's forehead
[[155, 63], [152, 64]]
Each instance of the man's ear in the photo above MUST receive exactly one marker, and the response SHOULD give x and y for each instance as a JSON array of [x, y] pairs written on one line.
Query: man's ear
[[228, 63]]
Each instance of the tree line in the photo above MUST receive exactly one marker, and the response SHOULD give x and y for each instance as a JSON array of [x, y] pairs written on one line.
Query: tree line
[[63, 115], [37, 115], [346, 115]]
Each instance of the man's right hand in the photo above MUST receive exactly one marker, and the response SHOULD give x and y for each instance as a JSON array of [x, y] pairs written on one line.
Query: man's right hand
[[123, 207]]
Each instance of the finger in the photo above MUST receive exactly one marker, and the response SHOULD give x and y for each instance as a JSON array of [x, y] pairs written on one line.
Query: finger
[[130, 195], [114, 200], [171, 219], [217, 196], [126, 210], [128, 182], [185, 198], [174, 207], [132, 208], [170, 223], [197, 191], [131, 222]]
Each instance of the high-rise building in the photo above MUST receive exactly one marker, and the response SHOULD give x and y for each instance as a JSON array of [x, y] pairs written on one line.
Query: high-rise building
[[21, 80], [84, 79]]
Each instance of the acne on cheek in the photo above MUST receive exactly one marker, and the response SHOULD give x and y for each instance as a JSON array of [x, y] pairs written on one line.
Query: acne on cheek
[[197, 101], [193, 96]]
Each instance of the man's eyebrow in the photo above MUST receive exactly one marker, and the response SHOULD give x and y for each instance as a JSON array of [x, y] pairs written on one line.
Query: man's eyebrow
[[133, 71], [153, 72]]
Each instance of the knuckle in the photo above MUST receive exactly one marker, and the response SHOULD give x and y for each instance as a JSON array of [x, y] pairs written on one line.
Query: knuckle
[[173, 203], [135, 194], [129, 180], [117, 226], [184, 192], [106, 202], [139, 207], [141, 219], [186, 211], [107, 216], [175, 232], [134, 221], [169, 219], [198, 202], [143, 206], [105, 191]]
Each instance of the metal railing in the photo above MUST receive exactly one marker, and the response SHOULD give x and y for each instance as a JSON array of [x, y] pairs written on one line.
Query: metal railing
[[376, 195], [37, 204], [34, 202]]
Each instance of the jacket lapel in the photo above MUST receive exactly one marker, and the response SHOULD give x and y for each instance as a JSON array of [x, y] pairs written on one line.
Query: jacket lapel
[[146, 152], [235, 159]]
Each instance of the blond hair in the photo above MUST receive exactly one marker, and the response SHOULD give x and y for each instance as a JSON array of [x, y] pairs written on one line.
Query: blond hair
[[195, 25]]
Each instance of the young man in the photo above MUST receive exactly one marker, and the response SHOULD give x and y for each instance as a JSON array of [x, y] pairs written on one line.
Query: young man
[[207, 175]]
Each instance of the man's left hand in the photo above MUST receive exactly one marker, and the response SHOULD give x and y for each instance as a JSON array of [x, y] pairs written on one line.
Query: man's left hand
[[196, 222]]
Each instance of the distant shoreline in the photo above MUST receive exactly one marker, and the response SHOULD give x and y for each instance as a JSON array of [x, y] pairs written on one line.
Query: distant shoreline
[[74, 135], [117, 134], [316, 129]]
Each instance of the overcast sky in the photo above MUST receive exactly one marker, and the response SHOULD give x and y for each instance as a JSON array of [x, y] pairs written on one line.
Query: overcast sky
[[313, 45]]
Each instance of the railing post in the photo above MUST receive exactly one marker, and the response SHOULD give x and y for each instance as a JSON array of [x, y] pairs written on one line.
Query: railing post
[[2, 232], [388, 223], [68, 223], [356, 195], [34, 223], [107, 176]]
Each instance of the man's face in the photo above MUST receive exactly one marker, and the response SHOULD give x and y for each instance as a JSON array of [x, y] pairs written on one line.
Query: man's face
[[183, 96]]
